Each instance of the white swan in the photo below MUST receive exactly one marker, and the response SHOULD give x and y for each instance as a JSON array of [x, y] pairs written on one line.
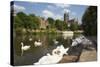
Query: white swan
[[55, 41], [57, 55], [24, 48], [60, 50], [49, 59], [37, 43], [30, 39]]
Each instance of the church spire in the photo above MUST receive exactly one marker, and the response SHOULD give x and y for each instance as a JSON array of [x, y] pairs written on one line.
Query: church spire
[[66, 17]]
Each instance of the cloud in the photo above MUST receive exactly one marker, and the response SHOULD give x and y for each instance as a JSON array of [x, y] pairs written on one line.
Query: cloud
[[62, 5], [69, 11], [66, 10], [18, 8], [47, 13], [73, 13], [50, 7], [58, 16]]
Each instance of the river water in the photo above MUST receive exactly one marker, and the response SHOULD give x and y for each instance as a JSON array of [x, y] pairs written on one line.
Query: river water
[[35, 53]]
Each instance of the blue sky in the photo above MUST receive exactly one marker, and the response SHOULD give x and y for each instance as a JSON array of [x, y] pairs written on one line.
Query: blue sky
[[54, 10]]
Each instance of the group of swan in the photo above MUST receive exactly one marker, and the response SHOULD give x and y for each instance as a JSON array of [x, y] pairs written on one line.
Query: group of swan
[[57, 55], [27, 47], [36, 43], [81, 40]]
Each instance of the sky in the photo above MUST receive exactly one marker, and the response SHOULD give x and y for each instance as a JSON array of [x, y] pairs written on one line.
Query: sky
[[54, 10]]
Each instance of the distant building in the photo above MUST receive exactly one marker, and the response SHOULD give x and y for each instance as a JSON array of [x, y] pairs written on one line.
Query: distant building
[[66, 17], [69, 21], [43, 23]]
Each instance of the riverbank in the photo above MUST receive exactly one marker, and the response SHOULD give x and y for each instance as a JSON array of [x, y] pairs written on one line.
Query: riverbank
[[23, 31], [86, 55]]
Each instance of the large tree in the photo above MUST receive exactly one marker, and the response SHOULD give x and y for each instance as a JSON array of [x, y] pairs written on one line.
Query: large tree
[[59, 24], [17, 22], [21, 20], [51, 22], [89, 21], [74, 26], [25, 20], [34, 21]]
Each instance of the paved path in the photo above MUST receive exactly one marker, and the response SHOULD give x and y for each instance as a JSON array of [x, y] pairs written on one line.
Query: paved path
[[88, 55]]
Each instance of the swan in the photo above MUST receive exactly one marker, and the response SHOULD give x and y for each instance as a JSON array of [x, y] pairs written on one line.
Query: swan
[[49, 59], [24, 48], [37, 43], [48, 54], [60, 50], [55, 41], [57, 55], [30, 39]]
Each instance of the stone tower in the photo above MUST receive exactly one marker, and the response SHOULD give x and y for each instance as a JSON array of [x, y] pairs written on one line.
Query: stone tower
[[66, 17]]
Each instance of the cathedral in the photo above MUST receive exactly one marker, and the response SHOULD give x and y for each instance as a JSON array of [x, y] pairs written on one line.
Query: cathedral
[[69, 21]]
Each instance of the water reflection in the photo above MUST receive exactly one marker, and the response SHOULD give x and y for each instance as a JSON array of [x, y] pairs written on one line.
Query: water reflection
[[35, 53]]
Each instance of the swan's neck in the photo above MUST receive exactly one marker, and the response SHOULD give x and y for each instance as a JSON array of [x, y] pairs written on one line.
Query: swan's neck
[[38, 40], [22, 44]]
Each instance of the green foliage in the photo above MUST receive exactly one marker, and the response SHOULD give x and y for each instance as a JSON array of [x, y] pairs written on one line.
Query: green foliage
[[64, 26], [17, 22], [58, 24], [51, 22], [74, 26], [89, 21], [21, 20], [25, 20], [34, 21], [61, 25]]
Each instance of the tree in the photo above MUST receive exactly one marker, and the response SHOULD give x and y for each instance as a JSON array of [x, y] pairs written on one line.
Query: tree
[[64, 26], [34, 21], [89, 21], [58, 24], [25, 20], [17, 22], [74, 26], [51, 22], [21, 20]]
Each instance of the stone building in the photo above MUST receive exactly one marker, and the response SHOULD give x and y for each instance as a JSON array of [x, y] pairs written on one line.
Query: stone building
[[69, 21], [66, 17], [43, 23]]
